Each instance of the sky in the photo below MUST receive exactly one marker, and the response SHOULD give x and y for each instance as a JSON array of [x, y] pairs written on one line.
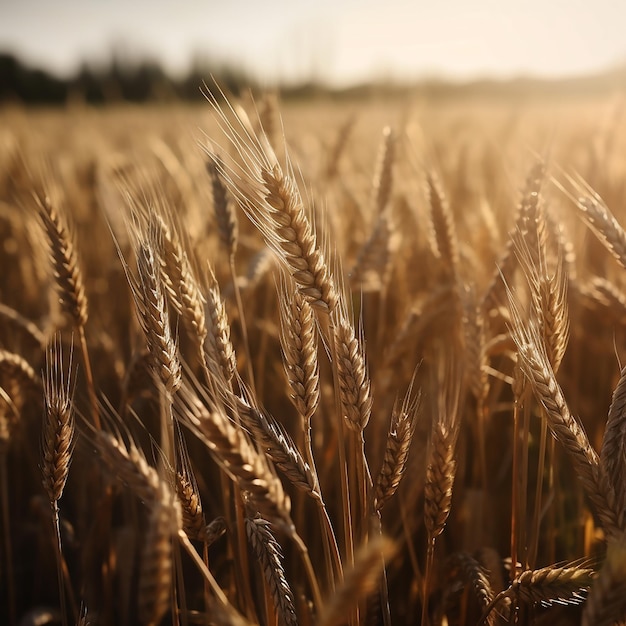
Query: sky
[[340, 41]]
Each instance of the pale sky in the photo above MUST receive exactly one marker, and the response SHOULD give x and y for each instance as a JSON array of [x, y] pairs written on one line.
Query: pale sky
[[340, 41]]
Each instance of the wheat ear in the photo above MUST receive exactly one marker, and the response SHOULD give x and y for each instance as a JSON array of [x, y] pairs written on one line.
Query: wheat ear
[[354, 382], [372, 267], [124, 460], [57, 444], [67, 271], [278, 446], [271, 199], [602, 222], [225, 216], [180, 284], [566, 584], [614, 443], [231, 449], [525, 219], [70, 283], [228, 230], [549, 310], [442, 465], [193, 522], [154, 319], [444, 240], [536, 369], [269, 555], [221, 351], [472, 573], [399, 438], [606, 604], [155, 571], [383, 176]]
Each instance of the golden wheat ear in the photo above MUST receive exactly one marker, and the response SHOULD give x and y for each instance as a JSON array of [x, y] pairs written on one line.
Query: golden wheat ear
[[554, 584], [58, 444], [155, 570], [232, 450], [179, 282], [599, 218], [194, 523], [59, 424], [70, 282], [606, 603], [64, 258], [268, 552], [225, 215], [399, 438], [271, 199], [567, 430], [442, 460]]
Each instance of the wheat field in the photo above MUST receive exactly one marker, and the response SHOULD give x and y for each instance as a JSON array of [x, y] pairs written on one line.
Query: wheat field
[[269, 362]]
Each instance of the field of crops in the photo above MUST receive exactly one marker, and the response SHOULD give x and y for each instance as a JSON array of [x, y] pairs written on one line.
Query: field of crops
[[314, 362]]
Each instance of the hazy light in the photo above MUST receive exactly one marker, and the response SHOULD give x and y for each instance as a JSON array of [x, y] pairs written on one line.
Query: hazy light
[[336, 41]]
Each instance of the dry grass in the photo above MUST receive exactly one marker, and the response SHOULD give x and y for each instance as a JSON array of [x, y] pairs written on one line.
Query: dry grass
[[337, 380]]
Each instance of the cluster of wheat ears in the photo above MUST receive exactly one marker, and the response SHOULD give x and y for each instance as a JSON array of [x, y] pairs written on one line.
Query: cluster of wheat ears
[[306, 381]]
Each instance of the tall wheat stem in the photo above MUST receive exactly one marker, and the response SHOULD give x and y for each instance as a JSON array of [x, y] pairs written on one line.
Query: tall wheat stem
[[341, 445], [543, 438], [333, 557], [384, 588], [430, 559], [308, 567], [343, 468], [93, 398], [518, 392], [58, 556], [202, 568]]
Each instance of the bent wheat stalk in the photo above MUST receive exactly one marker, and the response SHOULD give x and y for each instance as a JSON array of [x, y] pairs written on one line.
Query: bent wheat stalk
[[566, 429]]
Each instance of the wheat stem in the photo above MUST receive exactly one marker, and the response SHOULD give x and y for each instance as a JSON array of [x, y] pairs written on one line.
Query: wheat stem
[[93, 398], [58, 556]]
